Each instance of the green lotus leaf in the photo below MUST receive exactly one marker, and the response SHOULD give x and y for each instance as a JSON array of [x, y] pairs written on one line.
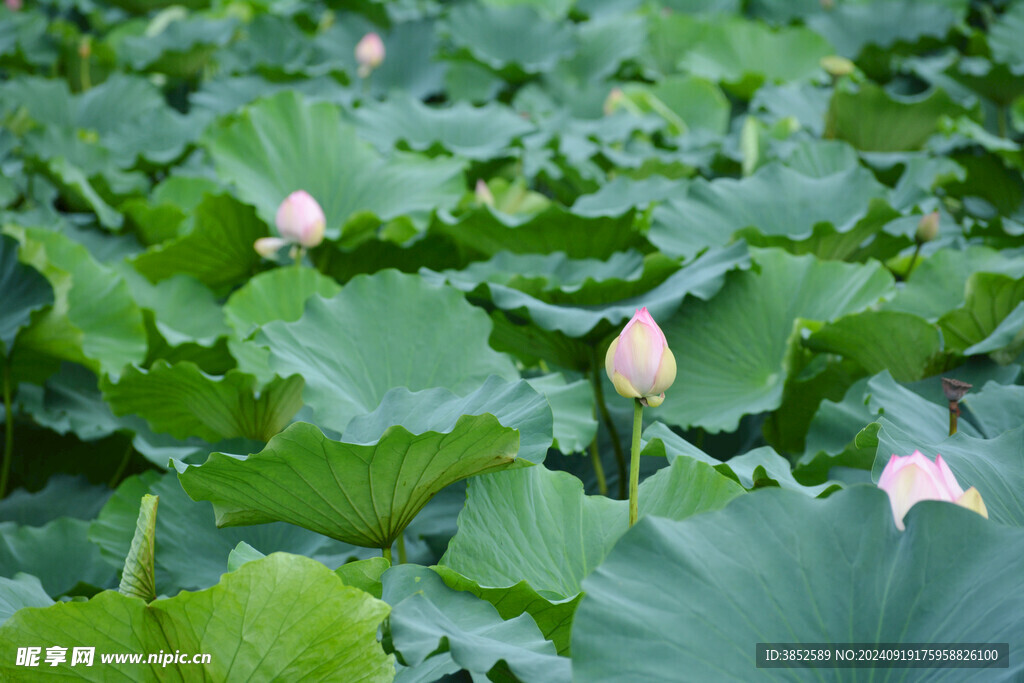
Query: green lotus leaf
[[25, 290], [360, 494], [907, 346], [572, 408], [58, 553], [22, 590], [996, 408], [733, 352], [776, 201], [191, 552], [183, 401], [1003, 39], [345, 346], [180, 47], [602, 47], [623, 194], [853, 26], [425, 614], [138, 580], [218, 252], [872, 120], [756, 469], [64, 495], [319, 628], [713, 600], [990, 298], [365, 574], [478, 133], [185, 311], [94, 320], [513, 40], [514, 404], [502, 511], [554, 229], [283, 143], [937, 285]]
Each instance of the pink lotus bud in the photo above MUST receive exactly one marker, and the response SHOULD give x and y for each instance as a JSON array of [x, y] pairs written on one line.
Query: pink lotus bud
[[912, 478], [483, 193], [13, 5], [301, 220], [369, 53], [639, 362], [612, 102], [268, 246]]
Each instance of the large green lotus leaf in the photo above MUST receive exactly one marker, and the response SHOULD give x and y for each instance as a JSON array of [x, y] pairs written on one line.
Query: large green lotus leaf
[[872, 120], [488, 232], [185, 310], [572, 409], [755, 469], [22, 590], [283, 143], [509, 551], [766, 569], [179, 47], [776, 201], [278, 294], [701, 279], [94, 320], [25, 290], [996, 408], [927, 417], [850, 26], [988, 300], [58, 553], [907, 346], [1004, 38], [1006, 341], [831, 438], [427, 615], [732, 351], [514, 41], [602, 47], [360, 494], [743, 55], [994, 466], [937, 285], [514, 404], [218, 252], [345, 346], [478, 133], [284, 617], [623, 193], [191, 552], [183, 401], [64, 495]]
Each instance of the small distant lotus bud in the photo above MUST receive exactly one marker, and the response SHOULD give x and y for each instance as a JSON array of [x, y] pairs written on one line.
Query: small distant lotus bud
[[300, 220], [13, 5], [85, 48], [369, 53], [927, 227], [837, 66], [912, 478], [483, 193], [611, 103], [268, 246], [639, 362]]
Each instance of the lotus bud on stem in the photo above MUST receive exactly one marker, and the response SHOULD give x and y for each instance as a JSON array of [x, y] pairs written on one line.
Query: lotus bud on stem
[[954, 390], [912, 478], [300, 222], [369, 54], [641, 366], [927, 230]]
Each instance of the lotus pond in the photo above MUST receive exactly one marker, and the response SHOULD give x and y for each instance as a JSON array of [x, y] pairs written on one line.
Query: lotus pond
[[305, 318]]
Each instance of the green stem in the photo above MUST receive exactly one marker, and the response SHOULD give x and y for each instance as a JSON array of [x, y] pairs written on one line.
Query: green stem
[[620, 458], [83, 72], [8, 429], [386, 553], [1001, 122], [595, 457], [401, 548], [913, 260], [954, 413], [634, 460], [116, 479]]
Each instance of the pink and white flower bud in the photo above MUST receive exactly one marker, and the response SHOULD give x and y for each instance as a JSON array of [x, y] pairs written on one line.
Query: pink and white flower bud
[[639, 362], [300, 220], [483, 193], [369, 53], [13, 5], [912, 478]]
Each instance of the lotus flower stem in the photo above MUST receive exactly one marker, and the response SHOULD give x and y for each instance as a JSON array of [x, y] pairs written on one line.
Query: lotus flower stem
[[386, 554], [620, 458], [125, 459], [634, 460], [595, 457], [8, 429], [401, 548]]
